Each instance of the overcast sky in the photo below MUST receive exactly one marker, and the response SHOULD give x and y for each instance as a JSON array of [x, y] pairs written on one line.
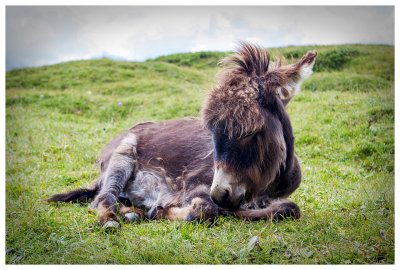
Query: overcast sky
[[40, 35]]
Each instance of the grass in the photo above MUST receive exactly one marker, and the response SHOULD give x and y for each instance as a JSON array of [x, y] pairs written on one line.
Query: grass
[[59, 117]]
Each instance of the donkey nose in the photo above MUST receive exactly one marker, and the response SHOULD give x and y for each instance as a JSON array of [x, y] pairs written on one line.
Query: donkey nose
[[225, 192], [224, 200], [221, 198]]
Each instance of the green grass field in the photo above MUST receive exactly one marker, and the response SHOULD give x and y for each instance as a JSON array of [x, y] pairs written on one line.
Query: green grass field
[[59, 117]]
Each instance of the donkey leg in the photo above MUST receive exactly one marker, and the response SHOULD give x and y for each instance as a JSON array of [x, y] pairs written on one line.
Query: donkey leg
[[197, 205], [199, 209], [279, 207], [277, 210], [131, 214], [122, 165], [287, 183]]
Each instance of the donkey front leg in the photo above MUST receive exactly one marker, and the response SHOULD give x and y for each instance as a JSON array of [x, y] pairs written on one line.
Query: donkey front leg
[[122, 165], [131, 214], [276, 210], [197, 205]]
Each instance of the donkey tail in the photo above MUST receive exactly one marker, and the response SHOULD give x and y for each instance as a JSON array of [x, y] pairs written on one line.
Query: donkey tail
[[79, 195]]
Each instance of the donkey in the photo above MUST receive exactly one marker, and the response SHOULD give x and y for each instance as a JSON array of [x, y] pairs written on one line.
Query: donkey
[[238, 159]]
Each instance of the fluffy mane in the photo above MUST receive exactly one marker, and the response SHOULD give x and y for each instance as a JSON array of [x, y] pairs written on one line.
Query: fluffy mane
[[249, 60], [233, 102]]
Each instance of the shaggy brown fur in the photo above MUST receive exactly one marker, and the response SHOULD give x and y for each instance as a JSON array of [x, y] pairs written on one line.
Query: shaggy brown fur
[[239, 157], [235, 100]]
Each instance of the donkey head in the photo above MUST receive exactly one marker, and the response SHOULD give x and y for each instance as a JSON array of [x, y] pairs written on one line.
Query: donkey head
[[251, 131]]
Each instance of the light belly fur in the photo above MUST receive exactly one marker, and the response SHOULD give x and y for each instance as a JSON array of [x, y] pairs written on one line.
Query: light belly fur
[[148, 190]]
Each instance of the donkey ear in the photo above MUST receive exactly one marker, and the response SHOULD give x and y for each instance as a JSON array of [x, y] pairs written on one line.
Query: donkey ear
[[292, 76]]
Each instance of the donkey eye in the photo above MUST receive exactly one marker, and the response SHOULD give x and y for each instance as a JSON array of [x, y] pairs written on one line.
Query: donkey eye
[[247, 136]]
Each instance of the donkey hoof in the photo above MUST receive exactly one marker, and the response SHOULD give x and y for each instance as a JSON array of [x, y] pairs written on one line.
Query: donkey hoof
[[191, 218], [111, 225], [152, 213], [132, 217]]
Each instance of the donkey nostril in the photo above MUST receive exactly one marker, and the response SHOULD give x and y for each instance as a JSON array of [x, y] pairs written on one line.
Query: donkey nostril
[[221, 198], [225, 197], [247, 196]]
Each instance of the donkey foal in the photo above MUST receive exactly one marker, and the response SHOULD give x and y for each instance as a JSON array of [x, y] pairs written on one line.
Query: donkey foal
[[239, 158]]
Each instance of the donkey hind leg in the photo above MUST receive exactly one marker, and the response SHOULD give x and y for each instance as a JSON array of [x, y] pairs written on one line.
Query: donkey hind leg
[[276, 210], [122, 165]]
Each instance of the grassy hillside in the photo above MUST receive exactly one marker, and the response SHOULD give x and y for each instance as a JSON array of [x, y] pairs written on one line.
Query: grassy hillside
[[59, 117]]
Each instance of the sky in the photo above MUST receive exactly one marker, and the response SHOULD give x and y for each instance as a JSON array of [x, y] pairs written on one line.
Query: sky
[[45, 35]]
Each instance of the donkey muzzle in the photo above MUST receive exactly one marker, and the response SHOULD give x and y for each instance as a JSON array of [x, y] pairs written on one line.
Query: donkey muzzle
[[225, 192]]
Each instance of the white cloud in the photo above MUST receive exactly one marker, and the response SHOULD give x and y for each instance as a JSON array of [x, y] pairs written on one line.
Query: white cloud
[[46, 35]]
